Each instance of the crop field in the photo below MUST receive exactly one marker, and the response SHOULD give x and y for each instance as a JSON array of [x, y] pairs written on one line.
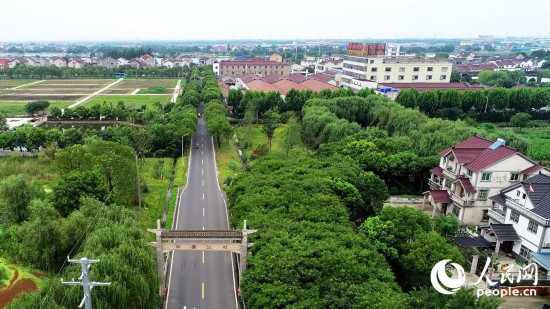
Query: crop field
[[136, 100], [64, 92], [145, 83]]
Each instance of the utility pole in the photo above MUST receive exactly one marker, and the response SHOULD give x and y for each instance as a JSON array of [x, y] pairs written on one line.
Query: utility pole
[[138, 180], [85, 283]]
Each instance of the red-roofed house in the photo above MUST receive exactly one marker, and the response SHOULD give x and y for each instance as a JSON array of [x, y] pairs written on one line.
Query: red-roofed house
[[58, 62], [284, 86], [137, 63], [316, 85], [76, 63], [473, 170], [4, 64], [260, 85], [149, 60]]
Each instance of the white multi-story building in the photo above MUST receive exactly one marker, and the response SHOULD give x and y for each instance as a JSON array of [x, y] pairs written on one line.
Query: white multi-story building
[[395, 70], [472, 171], [519, 220]]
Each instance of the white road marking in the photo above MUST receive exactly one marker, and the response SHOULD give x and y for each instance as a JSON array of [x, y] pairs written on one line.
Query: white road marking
[[203, 257], [203, 171], [203, 211], [203, 183], [203, 290], [202, 162]]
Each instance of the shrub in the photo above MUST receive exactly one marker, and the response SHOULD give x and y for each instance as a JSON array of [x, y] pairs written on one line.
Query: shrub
[[261, 150]]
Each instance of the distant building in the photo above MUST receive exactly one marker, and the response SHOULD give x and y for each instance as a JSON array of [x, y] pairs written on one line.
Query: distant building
[[4, 64], [58, 62], [233, 68], [109, 62], [369, 63], [148, 60], [276, 58], [76, 63]]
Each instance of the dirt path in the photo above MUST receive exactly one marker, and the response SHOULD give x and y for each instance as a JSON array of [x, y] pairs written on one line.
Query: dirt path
[[29, 84], [89, 97], [15, 288]]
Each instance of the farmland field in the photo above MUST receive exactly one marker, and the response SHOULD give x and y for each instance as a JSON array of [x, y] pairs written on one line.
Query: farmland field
[[17, 108], [138, 100], [79, 81], [9, 83], [145, 83]]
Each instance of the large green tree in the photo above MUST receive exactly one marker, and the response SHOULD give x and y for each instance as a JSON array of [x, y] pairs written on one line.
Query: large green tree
[[17, 193]]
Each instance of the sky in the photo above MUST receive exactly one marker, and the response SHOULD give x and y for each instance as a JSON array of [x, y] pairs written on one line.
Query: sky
[[108, 20]]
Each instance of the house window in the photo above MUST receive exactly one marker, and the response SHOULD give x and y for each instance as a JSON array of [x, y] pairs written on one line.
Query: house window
[[447, 183], [444, 69], [371, 61], [388, 69], [373, 78], [482, 195], [514, 216], [485, 176], [518, 193], [524, 252], [456, 211], [514, 177], [470, 173], [387, 77], [443, 77], [485, 216], [401, 77], [415, 77], [524, 196], [532, 227], [416, 69], [402, 69], [373, 69], [430, 69], [428, 77]]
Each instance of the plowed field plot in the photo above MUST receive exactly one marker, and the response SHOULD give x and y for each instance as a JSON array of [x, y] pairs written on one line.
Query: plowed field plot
[[117, 91], [79, 81], [32, 97], [31, 91], [53, 87], [9, 83], [145, 83]]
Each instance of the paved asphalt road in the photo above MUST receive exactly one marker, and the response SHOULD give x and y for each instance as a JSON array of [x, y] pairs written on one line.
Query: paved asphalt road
[[198, 279]]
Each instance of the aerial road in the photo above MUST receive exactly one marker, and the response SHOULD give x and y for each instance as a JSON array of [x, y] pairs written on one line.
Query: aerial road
[[201, 279]]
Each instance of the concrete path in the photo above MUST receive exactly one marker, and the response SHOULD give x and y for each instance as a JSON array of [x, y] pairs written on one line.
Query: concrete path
[[135, 91], [176, 92], [29, 84], [89, 97]]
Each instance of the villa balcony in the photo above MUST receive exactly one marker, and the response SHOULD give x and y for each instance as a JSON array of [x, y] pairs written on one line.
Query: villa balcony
[[497, 215], [460, 201]]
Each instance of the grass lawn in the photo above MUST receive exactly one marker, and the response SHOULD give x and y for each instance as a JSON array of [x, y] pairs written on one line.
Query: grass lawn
[[539, 141], [157, 187], [137, 100], [34, 168], [226, 154], [17, 108], [254, 136]]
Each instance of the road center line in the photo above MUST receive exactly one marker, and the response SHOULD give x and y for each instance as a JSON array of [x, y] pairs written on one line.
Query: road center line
[[202, 152], [203, 171], [203, 183], [203, 257], [202, 162], [203, 228], [203, 195], [203, 290], [203, 211]]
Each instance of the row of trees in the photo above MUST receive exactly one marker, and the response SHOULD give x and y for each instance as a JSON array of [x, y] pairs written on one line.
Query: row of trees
[[307, 251], [111, 234], [293, 102], [453, 104]]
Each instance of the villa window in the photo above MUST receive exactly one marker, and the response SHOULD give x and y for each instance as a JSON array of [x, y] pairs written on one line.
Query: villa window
[[532, 227], [485, 176], [514, 216]]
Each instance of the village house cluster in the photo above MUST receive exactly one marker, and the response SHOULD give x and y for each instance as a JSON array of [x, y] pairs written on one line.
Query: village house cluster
[[145, 61]]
